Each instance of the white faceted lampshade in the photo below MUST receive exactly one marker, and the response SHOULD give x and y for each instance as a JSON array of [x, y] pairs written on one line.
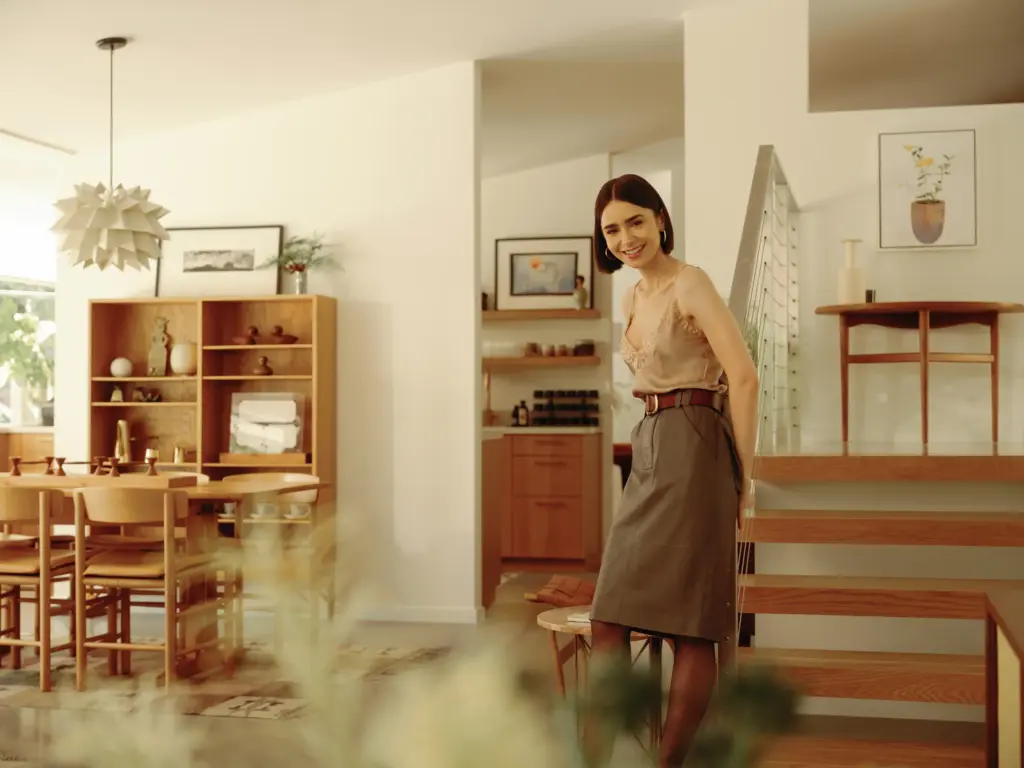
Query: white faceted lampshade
[[103, 227]]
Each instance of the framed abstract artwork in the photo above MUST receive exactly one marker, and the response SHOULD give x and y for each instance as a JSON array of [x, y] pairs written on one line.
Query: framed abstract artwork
[[542, 272], [927, 190], [219, 261]]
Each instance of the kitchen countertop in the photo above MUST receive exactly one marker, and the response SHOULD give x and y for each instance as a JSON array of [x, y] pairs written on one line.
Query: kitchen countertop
[[542, 430]]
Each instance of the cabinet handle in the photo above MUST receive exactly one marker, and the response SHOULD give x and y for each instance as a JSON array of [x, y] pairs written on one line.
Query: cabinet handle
[[549, 463], [550, 504], [549, 441]]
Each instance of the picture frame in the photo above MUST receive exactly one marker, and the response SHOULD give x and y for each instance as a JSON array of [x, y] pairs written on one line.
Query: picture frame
[[927, 190], [219, 261], [536, 273]]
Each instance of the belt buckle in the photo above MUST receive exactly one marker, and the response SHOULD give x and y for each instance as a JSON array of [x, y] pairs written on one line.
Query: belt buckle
[[657, 403]]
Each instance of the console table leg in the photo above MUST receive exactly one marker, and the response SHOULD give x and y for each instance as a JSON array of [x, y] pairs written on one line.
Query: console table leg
[[923, 321], [994, 346], [844, 374]]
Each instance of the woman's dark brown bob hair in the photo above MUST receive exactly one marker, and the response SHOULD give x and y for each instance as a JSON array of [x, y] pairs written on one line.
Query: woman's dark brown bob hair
[[634, 189]]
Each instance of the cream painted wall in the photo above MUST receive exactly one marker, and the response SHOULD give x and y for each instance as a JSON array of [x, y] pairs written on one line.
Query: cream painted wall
[[746, 77], [555, 199], [389, 172]]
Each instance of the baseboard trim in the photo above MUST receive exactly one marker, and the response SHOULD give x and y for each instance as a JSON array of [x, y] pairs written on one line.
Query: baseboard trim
[[422, 614]]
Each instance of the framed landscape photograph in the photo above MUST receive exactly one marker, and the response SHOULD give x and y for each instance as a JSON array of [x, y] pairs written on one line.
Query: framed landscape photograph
[[927, 190], [219, 261], [542, 272]]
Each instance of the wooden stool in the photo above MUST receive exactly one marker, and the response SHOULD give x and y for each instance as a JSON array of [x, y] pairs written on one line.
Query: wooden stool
[[556, 622]]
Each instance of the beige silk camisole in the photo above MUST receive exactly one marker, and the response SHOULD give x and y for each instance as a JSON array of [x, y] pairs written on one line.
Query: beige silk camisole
[[675, 353]]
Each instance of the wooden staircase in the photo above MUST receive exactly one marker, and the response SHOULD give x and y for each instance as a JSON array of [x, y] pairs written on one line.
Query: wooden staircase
[[895, 677]]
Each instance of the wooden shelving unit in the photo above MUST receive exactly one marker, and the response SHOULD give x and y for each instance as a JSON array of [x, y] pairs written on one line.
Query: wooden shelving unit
[[194, 411], [503, 315]]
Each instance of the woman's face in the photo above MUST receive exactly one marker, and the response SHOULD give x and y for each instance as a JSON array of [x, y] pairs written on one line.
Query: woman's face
[[632, 233]]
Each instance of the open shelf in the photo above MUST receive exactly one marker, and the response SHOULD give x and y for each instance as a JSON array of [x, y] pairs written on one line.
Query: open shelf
[[247, 347], [270, 377], [144, 379], [501, 315], [160, 404], [539, 361]]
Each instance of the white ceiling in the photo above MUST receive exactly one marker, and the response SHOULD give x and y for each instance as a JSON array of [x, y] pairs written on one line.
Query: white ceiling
[[900, 54], [194, 60], [604, 93]]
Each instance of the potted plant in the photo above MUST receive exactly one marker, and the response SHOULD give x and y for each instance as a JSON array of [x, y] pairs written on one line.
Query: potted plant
[[928, 208], [299, 256], [23, 355]]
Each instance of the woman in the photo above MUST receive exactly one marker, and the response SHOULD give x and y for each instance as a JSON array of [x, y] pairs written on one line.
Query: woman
[[669, 564]]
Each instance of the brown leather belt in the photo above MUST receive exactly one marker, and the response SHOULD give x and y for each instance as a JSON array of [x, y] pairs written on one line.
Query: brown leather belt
[[679, 397]]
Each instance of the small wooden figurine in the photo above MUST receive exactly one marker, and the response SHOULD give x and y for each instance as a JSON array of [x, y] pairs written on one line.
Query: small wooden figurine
[[262, 369], [158, 349], [278, 336], [117, 396]]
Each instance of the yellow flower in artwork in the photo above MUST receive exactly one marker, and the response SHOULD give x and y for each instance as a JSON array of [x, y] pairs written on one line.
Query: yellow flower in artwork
[[924, 162]]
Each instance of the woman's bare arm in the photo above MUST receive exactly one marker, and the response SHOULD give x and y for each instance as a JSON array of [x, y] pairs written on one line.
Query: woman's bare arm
[[697, 296]]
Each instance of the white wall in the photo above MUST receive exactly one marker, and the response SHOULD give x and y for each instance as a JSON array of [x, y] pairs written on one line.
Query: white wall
[[746, 79], [389, 171], [552, 200]]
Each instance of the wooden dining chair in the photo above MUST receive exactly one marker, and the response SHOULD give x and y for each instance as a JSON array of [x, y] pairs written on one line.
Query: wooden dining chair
[[119, 571], [29, 569], [295, 547]]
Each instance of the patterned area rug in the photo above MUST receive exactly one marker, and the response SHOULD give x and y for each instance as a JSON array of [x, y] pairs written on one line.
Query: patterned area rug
[[256, 691]]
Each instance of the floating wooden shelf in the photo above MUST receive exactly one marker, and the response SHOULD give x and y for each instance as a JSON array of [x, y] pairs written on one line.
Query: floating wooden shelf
[[501, 315], [264, 465], [538, 361]]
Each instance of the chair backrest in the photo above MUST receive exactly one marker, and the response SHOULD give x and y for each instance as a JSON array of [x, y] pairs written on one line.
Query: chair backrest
[[129, 506], [25, 505], [299, 497]]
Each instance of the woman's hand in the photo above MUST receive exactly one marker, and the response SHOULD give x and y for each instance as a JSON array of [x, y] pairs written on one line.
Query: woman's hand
[[746, 502]]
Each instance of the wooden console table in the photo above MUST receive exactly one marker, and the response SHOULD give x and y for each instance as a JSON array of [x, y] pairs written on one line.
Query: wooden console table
[[925, 316]]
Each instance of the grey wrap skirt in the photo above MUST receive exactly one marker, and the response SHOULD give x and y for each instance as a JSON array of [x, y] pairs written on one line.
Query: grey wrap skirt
[[669, 563]]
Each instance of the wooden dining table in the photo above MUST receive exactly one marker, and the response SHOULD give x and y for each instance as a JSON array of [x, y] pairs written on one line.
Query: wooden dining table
[[201, 532]]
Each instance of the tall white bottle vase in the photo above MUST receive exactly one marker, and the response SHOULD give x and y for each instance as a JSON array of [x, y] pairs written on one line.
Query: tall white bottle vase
[[851, 284]]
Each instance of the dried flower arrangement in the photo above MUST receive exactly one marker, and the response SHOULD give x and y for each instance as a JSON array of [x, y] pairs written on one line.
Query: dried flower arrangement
[[473, 708]]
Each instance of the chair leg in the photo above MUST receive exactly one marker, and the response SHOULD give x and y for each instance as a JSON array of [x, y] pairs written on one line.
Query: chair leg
[[170, 631], [16, 628], [126, 630], [81, 655], [114, 597], [45, 594]]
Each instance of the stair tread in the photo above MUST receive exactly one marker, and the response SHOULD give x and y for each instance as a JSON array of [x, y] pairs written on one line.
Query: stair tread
[[890, 583], [824, 752], [941, 661], [830, 741], [888, 527], [877, 675]]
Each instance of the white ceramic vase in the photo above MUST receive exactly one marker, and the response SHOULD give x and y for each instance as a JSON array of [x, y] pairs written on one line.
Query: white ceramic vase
[[851, 285], [121, 367], [183, 358]]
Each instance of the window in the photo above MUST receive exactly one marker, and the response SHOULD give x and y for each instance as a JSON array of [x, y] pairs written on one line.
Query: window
[[27, 343]]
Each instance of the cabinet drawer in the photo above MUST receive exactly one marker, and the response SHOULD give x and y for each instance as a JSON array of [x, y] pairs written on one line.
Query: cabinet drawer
[[547, 528], [547, 476], [547, 445]]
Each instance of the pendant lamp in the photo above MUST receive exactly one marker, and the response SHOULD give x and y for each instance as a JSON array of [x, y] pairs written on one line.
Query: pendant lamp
[[108, 225]]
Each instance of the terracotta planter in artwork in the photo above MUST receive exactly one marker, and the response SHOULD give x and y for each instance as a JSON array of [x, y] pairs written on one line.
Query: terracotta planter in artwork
[[927, 218]]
